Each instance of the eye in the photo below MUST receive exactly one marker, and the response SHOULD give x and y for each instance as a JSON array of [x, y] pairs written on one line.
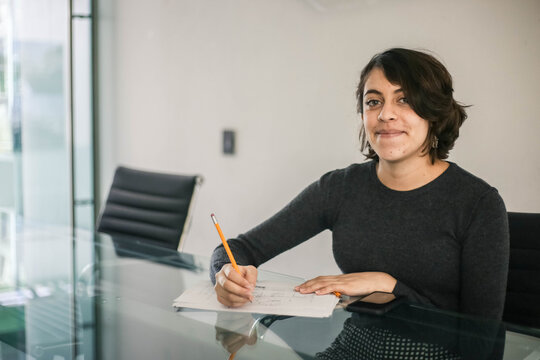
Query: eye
[[372, 102], [403, 100]]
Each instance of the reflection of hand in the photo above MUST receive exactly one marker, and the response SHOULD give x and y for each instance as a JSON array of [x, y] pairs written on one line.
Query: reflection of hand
[[232, 341], [234, 289], [354, 284], [235, 330]]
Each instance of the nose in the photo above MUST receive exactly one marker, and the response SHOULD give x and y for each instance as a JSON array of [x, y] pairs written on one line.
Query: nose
[[387, 112]]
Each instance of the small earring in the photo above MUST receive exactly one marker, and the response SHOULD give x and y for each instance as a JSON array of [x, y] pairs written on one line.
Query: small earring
[[435, 142]]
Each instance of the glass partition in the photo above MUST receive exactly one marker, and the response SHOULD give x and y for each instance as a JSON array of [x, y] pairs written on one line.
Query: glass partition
[[83, 133], [46, 167], [46, 116]]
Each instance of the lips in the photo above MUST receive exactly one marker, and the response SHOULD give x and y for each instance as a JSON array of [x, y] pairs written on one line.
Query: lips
[[389, 133]]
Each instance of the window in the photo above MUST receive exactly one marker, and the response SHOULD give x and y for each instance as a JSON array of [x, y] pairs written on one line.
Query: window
[[46, 115]]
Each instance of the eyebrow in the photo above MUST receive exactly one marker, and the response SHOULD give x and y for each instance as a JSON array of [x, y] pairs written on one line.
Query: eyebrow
[[377, 92]]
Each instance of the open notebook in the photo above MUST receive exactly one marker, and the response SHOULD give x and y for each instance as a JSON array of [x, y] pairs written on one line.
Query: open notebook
[[269, 297]]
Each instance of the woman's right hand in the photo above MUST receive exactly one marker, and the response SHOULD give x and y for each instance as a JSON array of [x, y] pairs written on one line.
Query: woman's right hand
[[234, 289]]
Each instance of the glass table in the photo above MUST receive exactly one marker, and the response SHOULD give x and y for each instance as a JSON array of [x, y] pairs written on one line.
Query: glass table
[[67, 295]]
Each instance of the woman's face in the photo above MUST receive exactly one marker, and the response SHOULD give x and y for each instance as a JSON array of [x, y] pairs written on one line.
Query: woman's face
[[395, 132]]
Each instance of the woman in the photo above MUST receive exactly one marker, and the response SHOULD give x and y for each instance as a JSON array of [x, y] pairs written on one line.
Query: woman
[[406, 222]]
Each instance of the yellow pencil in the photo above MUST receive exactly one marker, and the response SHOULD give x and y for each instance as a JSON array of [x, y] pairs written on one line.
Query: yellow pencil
[[225, 245], [229, 252]]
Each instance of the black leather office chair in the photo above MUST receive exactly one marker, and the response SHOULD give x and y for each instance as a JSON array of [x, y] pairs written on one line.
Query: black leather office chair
[[523, 290], [148, 207]]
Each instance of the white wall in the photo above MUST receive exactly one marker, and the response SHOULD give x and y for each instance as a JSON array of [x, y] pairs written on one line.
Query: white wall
[[282, 73]]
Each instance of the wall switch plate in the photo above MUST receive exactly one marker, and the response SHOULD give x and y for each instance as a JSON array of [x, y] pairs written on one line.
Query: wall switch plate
[[229, 140]]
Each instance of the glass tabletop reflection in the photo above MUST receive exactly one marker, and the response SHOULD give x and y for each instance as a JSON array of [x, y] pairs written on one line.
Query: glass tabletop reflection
[[66, 295]]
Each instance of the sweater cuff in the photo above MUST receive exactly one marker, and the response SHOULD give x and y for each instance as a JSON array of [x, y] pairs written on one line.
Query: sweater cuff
[[219, 258], [410, 294], [400, 289]]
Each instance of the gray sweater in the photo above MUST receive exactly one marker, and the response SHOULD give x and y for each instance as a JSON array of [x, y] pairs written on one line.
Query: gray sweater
[[446, 243]]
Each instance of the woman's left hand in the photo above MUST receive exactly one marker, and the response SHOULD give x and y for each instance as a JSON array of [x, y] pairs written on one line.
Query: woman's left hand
[[353, 284]]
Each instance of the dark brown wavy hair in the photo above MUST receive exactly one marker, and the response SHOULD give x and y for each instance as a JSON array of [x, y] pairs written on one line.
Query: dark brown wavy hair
[[427, 85]]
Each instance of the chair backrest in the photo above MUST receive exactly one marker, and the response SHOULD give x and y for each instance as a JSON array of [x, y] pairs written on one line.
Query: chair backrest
[[150, 207], [523, 290]]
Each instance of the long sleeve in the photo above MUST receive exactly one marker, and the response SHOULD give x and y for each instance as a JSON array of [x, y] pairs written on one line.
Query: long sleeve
[[305, 216], [446, 243], [402, 289], [484, 259]]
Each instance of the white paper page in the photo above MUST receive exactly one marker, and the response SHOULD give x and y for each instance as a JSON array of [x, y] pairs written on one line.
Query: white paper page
[[269, 297]]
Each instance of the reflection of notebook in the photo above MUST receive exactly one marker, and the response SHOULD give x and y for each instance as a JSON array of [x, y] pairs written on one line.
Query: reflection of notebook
[[269, 297]]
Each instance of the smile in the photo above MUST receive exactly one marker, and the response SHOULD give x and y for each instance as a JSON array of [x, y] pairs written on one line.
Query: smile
[[389, 133]]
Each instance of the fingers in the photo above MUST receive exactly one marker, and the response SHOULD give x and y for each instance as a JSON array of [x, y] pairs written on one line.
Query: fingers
[[233, 289], [231, 294], [320, 285], [230, 299], [327, 290], [352, 284], [250, 274], [238, 278]]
